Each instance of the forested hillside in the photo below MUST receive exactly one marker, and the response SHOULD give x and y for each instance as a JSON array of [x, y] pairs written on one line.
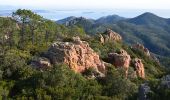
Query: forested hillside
[[43, 60], [147, 29]]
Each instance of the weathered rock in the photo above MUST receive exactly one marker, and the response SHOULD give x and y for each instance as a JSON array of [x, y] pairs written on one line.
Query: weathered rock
[[120, 59], [149, 54], [109, 35], [153, 56], [144, 90], [165, 81], [41, 63], [142, 48], [139, 67], [101, 38], [76, 54]]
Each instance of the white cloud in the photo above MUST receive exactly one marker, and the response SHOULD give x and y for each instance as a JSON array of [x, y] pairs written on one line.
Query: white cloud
[[91, 4]]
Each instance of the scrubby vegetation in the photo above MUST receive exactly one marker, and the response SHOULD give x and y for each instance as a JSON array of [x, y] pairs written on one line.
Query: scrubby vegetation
[[148, 29], [27, 35]]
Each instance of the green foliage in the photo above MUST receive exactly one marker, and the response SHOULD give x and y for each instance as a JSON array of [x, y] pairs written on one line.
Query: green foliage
[[148, 29], [89, 71], [104, 49], [76, 31], [158, 91], [29, 35], [59, 83], [117, 86], [13, 61], [5, 88]]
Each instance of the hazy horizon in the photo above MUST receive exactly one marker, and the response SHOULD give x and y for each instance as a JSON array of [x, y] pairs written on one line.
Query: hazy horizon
[[55, 10]]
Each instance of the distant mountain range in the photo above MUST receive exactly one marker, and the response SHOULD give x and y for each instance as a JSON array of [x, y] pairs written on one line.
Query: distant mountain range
[[109, 19], [103, 20], [149, 29]]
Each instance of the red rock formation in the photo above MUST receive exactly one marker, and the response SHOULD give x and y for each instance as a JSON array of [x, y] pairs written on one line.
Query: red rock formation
[[113, 36], [120, 59], [139, 67], [77, 54], [110, 35], [101, 38], [142, 48], [146, 52]]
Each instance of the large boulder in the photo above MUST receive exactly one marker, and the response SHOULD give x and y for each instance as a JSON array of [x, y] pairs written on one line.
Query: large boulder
[[139, 67], [120, 59], [76, 54], [109, 36]]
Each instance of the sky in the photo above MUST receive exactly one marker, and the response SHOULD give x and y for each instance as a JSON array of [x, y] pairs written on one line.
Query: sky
[[91, 4], [126, 8]]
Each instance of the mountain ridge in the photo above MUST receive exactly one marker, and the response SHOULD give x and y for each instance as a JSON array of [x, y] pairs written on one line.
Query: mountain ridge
[[149, 19], [148, 28]]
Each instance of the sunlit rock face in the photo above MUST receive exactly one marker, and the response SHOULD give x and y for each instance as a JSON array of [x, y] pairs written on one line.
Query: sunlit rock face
[[120, 59], [76, 54], [101, 38], [139, 67], [142, 48], [109, 36]]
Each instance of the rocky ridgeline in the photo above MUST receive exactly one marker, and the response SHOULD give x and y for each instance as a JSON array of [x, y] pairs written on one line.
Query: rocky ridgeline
[[142, 48], [78, 55], [145, 51], [75, 20], [109, 36]]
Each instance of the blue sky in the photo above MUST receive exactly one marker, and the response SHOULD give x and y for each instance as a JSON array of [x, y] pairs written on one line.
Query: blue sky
[[57, 9], [91, 4]]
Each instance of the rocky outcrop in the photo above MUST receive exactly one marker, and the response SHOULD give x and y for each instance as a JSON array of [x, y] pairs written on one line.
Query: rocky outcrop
[[123, 59], [109, 36], [41, 63], [142, 48], [101, 38], [76, 54], [120, 59], [76, 20], [165, 81], [144, 90], [139, 67]]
